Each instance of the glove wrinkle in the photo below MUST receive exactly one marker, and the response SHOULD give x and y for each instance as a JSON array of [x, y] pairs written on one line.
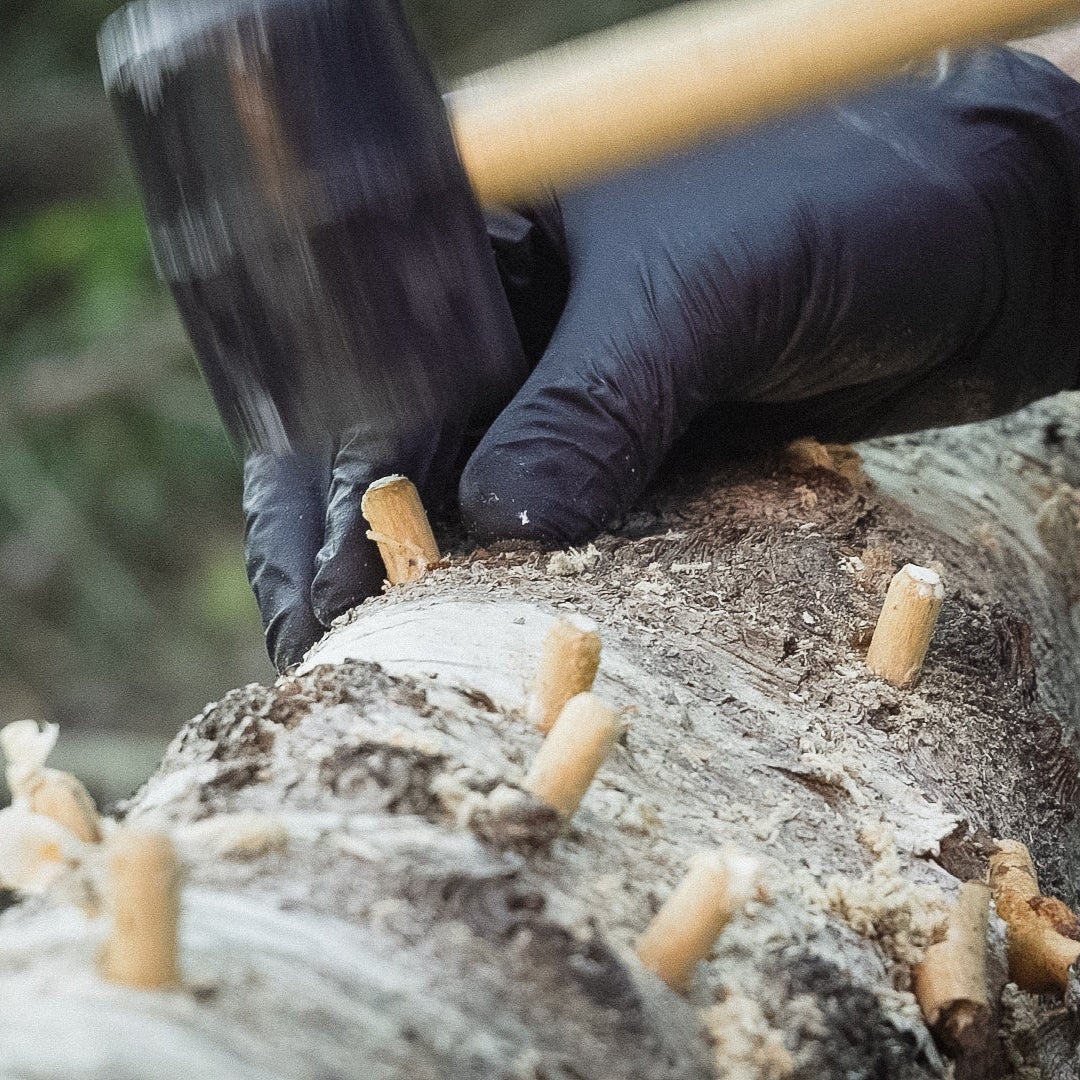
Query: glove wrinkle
[[530, 254], [284, 507]]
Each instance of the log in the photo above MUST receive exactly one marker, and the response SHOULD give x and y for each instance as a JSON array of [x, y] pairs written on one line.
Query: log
[[412, 911]]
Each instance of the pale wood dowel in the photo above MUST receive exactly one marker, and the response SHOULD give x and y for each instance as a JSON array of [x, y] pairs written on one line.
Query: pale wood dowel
[[950, 983], [661, 83], [568, 665], [906, 625], [399, 525], [49, 792], [144, 893], [1044, 933], [683, 932], [573, 751], [63, 798]]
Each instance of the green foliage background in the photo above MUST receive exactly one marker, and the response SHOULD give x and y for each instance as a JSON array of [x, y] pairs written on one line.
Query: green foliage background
[[123, 601]]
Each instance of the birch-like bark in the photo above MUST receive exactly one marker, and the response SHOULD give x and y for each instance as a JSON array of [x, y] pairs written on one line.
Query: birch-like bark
[[393, 904]]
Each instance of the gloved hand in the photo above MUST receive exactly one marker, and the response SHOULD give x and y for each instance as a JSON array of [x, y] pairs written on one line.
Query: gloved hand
[[907, 259], [308, 556]]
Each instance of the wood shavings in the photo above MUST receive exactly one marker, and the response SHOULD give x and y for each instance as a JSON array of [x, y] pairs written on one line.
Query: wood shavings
[[1021, 1017], [874, 568], [767, 829], [573, 561], [834, 770], [27, 747], [245, 835], [747, 1047], [804, 455], [35, 851], [653, 588], [903, 918], [1058, 525]]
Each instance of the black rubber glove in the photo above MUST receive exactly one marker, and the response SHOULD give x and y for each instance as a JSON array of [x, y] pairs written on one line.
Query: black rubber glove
[[308, 556], [908, 259]]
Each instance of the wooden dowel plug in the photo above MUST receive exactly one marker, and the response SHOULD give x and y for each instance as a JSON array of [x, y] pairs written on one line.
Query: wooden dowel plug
[[144, 889], [1044, 934], [35, 852], [906, 625], [950, 983], [573, 751], [399, 525], [63, 798], [716, 886], [49, 792], [568, 666]]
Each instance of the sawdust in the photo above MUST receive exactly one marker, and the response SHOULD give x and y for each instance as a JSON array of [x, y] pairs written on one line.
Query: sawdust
[[1058, 525], [803, 456], [884, 906], [232, 836], [874, 568], [747, 1047], [573, 561], [729, 566]]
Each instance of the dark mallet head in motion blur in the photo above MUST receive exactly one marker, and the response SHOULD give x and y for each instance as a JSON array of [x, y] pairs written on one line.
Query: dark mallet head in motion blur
[[307, 209]]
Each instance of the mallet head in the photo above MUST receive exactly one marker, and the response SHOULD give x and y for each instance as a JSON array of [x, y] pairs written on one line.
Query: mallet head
[[308, 210]]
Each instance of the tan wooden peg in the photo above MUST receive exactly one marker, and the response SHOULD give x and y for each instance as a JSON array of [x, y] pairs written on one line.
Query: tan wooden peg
[[63, 798], [950, 983], [1044, 933], [144, 895], [573, 751], [568, 665], [400, 527], [717, 885], [906, 625]]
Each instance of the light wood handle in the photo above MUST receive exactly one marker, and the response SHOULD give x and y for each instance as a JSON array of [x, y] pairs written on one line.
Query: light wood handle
[[661, 83]]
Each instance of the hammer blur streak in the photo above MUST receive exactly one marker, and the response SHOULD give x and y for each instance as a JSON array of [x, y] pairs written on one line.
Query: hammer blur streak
[[315, 211]]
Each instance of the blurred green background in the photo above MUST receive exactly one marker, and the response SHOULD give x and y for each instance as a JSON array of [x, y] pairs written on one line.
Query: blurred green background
[[123, 602]]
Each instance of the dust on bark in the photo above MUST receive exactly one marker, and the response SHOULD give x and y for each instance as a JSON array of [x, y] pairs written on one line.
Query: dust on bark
[[726, 556], [781, 571]]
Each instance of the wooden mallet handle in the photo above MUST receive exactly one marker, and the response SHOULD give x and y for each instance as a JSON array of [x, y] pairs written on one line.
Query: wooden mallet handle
[[661, 83]]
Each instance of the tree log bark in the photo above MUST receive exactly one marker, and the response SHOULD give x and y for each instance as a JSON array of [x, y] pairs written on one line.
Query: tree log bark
[[400, 907]]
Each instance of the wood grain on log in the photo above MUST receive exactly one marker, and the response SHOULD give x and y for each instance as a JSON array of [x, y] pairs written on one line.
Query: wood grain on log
[[419, 914]]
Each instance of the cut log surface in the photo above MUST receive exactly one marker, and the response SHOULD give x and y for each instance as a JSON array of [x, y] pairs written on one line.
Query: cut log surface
[[429, 918]]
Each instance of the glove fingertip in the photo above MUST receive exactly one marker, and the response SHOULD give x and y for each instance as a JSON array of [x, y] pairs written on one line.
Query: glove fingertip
[[508, 495], [346, 574], [288, 639]]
